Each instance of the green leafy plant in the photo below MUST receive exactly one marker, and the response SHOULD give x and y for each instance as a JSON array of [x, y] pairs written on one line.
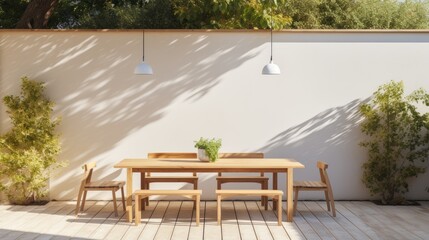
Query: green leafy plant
[[30, 149], [211, 146], [398, 140]]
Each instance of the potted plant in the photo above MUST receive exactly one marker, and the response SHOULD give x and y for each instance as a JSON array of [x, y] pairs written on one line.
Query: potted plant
[[208, 149], [397, 140]]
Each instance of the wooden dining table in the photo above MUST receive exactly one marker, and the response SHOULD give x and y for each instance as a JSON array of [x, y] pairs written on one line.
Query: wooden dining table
[[273, 165]]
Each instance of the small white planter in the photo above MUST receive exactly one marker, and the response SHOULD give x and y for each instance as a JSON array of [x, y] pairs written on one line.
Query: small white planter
[[202, 155]]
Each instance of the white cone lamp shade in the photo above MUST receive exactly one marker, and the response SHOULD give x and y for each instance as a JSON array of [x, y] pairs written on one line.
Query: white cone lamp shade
[[143, 69], [271, 69]]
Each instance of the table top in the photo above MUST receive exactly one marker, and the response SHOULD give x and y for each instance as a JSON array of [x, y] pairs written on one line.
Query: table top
[[226, 164]]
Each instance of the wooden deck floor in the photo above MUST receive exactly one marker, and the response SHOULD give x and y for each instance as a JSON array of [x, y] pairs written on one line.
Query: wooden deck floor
[[241, 220]]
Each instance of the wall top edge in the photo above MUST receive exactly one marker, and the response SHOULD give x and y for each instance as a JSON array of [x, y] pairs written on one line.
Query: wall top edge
[[227, 30]]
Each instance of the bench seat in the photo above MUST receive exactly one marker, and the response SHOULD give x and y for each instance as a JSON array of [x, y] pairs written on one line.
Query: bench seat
[[275, 194], [192, 194]]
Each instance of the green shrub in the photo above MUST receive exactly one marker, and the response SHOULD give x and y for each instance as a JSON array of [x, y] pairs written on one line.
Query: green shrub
[[398, 140], [30, 149]]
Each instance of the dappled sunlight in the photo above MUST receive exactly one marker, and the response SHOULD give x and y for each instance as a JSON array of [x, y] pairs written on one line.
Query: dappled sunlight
[[330, 135], [100, 100]]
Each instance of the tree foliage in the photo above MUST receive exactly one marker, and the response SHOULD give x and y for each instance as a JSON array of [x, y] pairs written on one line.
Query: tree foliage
[[225, 14], [232, 14], [398, 140], [29, 150], [37, 14]]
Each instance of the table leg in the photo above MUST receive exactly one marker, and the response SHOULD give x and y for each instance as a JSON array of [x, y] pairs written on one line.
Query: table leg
[[275, 187], [289, 184], [130, 194]]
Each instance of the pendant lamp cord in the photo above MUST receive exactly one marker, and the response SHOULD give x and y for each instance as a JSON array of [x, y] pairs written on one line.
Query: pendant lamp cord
[[271, 28], [143, 1], [143, 45]]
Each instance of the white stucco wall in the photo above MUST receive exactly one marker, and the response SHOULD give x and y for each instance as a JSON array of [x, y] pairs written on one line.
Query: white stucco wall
[[210, 84]]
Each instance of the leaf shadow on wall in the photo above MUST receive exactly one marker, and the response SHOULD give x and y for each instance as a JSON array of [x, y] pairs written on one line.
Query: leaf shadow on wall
[[331, 136], [101, 102]]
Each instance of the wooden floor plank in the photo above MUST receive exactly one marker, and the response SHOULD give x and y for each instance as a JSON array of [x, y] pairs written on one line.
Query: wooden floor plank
[[168, 221], [51, 226], [74, 224], [184, 221], [19, 225], [212, 231], [154, 222], [370, 217], [230, 230], [353, 225], [241, 220], [12, 213], [291, 228], [328, 221], [302, 224], [197, 233], [318, 227], [278, 232], [35, 226], [261, 229], [8, 220], [409, 218], [91, 226], [383, 213], [110, 222], [244, 222], [133, 231]]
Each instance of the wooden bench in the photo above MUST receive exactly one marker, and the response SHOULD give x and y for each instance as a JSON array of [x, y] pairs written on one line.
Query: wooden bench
[[275, 194], [192, 194]]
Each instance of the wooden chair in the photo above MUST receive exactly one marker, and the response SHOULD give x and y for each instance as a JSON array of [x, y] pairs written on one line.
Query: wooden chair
[[146, 180], [323, 185], [86, 185], [262, 180]]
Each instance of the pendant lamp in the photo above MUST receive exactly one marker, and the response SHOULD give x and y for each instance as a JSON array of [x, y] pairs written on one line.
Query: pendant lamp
[[271, 68], [143, 68]]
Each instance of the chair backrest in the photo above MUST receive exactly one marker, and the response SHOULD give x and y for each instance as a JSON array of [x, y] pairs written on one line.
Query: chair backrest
[[88, 169], [241, 155], [323, 173], [172, 155]]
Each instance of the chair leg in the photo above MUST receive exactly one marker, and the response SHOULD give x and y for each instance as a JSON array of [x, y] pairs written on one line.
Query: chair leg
[[79, 197], [219, 205], [265, 198], [327, 200], [82, 208], [331, 197], [123, 198], [197, 210], [114, 202], [147, 198], [295, 203], [142, 185], [279, 209]]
